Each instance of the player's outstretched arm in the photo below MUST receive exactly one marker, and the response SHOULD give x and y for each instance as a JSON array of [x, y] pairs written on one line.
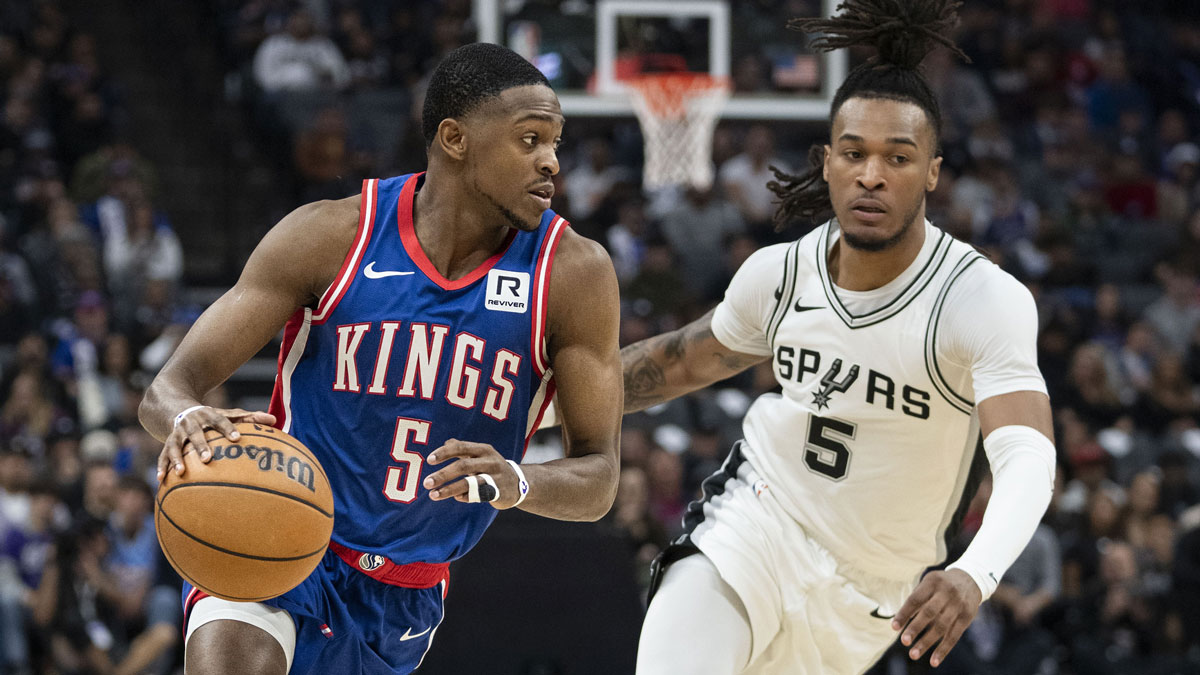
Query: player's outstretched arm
[[670, 365], [289, 268]]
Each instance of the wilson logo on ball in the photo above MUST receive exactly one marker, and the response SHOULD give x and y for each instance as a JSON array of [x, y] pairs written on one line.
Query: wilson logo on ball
[[295, 468]]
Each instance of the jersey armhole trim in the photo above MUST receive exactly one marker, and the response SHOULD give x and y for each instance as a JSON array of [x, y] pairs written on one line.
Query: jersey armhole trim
[[546, 390], [787, 286], [541, 295], [341, 283], [960, 403]]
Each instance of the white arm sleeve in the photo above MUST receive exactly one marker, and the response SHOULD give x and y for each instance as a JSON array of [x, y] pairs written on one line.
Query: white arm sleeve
[[1022, 462], [740, 321], [989, 325]]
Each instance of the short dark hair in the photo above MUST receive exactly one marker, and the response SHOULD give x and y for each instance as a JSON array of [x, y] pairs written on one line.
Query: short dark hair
[[470, 75], [903, 33]]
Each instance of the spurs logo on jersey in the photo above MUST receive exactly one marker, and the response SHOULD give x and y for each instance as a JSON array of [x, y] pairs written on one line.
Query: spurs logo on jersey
[[877, 406], [796, 363]]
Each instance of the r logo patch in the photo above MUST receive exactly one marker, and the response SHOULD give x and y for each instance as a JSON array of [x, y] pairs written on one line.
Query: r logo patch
[[507, 291]]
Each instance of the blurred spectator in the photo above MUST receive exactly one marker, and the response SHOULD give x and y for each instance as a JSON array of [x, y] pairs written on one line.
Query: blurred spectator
[[1177, 491], [367, 65], [1090, 392], [147, 612], [745, 176], [695, 230], [322, 157], [961, 93], [1114, 92], [29, 413], [1027, 591], [1169, 398], [1131, 190], [300, 59], [589, 183], [627, 239], [25, 550], [1186, 574], [664, 471], [139, 248], [73, 621], [99, 490], [632, 514], [1175, 315], [1013, 226], [1138, 356], [659, 285]]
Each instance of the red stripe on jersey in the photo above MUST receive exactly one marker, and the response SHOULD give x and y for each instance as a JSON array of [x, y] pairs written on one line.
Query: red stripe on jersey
[[290, 330], [345, 276], [550, 389], [195, 595], [541, 293], [408, 236]]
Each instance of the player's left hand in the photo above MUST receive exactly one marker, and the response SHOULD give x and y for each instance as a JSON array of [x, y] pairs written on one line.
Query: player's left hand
[[473, 459], [938, 612]]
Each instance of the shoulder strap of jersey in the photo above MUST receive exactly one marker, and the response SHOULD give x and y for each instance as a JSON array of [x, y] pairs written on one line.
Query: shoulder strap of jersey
[[341, 282], [932, 368], [785, 292], [541, 293]]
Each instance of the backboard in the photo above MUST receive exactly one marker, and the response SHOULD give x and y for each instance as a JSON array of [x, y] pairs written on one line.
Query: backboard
[[587, 47]]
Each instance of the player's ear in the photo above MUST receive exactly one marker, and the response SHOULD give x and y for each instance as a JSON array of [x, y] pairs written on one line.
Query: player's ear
[[451, 138], [935, 170], [825, 164]]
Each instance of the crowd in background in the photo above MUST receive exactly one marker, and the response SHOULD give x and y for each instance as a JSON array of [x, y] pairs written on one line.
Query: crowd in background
[[1071, 158], [89, 269]]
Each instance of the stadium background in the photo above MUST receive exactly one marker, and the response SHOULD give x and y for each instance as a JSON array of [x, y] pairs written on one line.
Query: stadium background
[[143, 153]]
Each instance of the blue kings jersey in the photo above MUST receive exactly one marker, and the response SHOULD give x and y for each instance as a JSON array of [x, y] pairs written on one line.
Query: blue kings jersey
[[396, 359]]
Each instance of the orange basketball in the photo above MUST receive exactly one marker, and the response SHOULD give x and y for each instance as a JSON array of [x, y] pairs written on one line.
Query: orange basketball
[[250, 524]]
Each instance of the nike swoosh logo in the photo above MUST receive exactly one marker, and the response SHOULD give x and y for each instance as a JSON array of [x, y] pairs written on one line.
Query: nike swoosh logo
[[408, 634], [875, 613], [802, 308], [372, 274]]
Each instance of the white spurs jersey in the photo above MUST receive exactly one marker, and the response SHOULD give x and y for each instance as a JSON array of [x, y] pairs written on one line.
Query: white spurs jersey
[[870, 444]]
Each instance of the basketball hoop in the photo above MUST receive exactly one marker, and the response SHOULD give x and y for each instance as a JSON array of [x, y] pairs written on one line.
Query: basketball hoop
[[678, 113]]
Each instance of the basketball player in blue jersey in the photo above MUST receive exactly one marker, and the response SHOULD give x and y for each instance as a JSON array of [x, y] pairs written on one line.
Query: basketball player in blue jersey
[[427, 324]]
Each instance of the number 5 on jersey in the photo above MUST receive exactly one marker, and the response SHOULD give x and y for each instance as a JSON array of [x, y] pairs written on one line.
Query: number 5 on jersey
[[402, 481], [824, 451]]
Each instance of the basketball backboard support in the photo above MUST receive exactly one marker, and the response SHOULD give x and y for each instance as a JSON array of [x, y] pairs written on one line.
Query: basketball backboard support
[[585, 46]]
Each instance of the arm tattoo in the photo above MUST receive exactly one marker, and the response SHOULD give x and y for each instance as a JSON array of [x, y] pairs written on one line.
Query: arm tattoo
[[736, 363], [644, 376], [646, 363]]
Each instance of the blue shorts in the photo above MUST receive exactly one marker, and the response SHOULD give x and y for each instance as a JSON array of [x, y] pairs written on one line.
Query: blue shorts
[[347, 622]]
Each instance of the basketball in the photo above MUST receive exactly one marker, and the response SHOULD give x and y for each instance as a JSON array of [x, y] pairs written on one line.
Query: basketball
[[250, 524]]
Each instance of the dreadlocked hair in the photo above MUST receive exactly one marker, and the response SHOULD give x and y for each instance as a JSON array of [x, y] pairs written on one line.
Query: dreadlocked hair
[[903, 33]]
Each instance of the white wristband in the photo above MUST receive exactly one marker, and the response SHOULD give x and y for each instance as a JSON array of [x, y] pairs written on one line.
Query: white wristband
[[522, 484], [185, 413]]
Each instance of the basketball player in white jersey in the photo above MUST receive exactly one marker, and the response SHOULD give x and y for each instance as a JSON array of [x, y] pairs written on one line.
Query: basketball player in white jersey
[[895, 346]]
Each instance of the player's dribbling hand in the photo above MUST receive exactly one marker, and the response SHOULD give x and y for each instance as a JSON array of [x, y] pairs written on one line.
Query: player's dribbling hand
[[938, 612], [473, 459], [191, 430]]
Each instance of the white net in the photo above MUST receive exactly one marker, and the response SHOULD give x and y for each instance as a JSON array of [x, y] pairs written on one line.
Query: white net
[[678, 113]]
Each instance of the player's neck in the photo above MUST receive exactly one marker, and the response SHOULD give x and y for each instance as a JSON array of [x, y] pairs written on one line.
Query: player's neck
[[854, 269], [453, 232]]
